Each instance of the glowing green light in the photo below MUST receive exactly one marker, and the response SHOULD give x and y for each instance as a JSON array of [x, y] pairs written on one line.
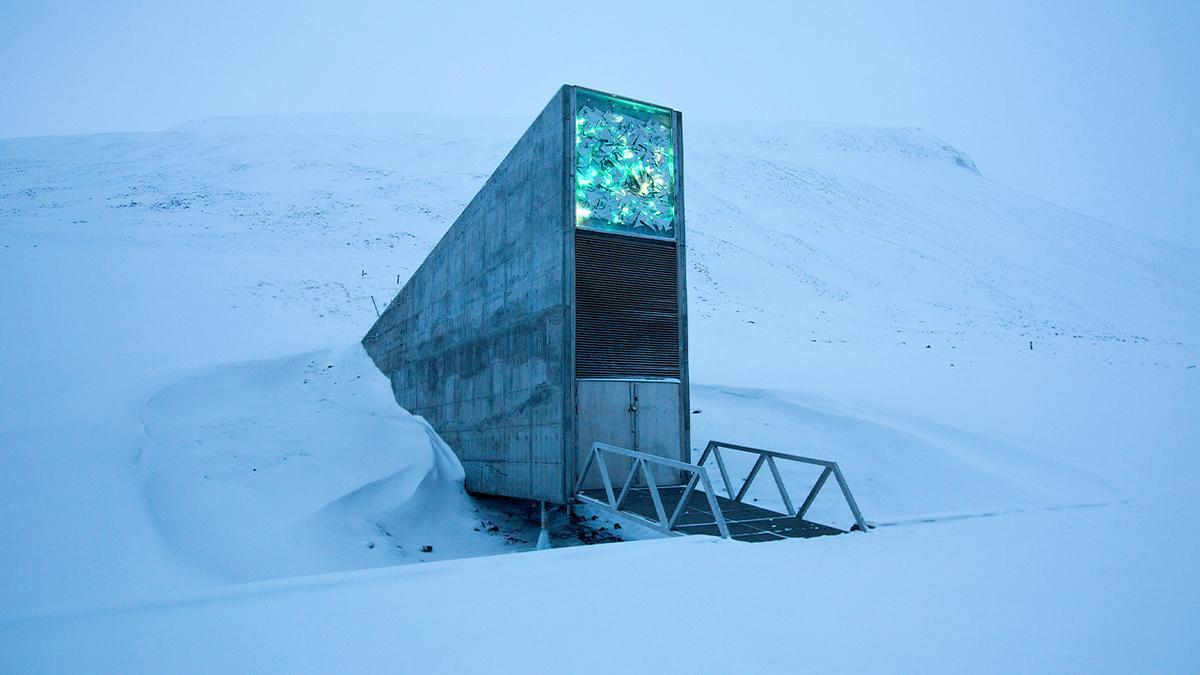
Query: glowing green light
[[624, 166]]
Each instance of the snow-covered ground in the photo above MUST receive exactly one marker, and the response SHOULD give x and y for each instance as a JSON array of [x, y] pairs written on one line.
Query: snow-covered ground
[[187, 423]]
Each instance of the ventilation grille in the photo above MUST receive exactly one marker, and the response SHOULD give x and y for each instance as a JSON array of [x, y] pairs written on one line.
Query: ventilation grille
[[626, 306]]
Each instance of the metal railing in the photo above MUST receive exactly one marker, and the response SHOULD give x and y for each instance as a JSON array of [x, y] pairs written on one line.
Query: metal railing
[[641, 460], [768, 457], [698, 477]]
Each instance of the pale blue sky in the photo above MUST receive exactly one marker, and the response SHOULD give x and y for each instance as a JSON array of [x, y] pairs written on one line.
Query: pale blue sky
[[1092, 105]]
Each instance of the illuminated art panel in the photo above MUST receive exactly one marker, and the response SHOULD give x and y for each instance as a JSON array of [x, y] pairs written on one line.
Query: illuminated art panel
[[624, 166]]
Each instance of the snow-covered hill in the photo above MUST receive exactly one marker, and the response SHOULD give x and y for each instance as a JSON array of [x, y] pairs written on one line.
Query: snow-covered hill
[[183, 406]]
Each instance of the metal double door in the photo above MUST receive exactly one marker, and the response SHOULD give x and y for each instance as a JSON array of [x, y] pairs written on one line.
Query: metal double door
[[641, 415]]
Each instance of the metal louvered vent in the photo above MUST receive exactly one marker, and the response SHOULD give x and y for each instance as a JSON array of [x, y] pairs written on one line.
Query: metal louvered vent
[[626, 306]]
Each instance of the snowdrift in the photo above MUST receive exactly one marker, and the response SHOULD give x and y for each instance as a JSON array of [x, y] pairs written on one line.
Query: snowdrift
[[302, 465]]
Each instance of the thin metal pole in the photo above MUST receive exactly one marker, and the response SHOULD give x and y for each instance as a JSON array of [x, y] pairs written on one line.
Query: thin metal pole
[[687, 494], [812, 496], [716, 508], [653, 486], [787, 499], [750, 479], [628, 483], [612, 499], [543, 536], [724, 471], [858, 516], [587, 466]]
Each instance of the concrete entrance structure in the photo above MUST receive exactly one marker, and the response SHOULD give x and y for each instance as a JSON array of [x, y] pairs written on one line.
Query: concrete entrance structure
[[553, 313]]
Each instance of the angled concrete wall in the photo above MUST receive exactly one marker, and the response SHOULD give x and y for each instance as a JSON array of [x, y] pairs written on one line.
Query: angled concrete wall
[[478, 340]]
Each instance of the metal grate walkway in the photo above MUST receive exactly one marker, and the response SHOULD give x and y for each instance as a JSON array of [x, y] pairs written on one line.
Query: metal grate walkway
[[746, 522], [694, 507]]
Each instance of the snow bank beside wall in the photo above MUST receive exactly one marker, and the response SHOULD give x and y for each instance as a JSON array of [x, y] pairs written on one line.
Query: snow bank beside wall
[[301, 465]]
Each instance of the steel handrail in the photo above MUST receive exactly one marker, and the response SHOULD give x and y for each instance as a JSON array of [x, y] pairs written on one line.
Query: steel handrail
[[665, 523], [768, 457]]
